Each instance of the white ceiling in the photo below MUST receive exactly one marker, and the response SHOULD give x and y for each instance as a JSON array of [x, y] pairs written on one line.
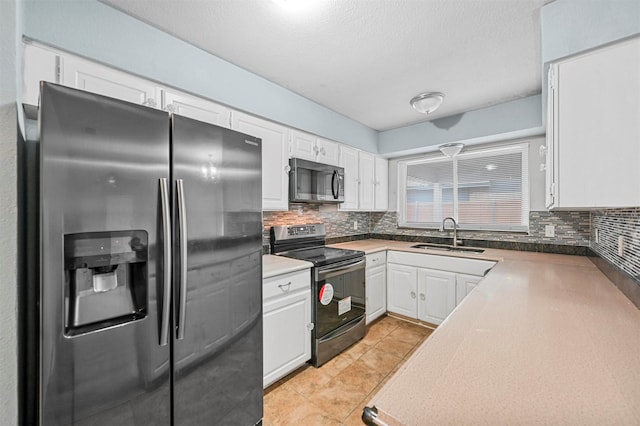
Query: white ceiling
[[367, 58]]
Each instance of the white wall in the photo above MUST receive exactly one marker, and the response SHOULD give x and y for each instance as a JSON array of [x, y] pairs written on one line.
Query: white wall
[[99, 32], [509, 120], [8, 216]]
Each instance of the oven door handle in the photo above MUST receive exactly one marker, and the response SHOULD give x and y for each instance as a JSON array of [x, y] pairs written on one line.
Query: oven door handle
[[342, 269]]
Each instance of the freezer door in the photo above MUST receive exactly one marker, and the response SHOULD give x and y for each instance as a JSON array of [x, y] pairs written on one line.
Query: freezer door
[[218, 275], [102, 261]]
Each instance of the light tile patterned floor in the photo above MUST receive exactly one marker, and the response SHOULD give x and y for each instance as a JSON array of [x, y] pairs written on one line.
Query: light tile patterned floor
[[336, 393]]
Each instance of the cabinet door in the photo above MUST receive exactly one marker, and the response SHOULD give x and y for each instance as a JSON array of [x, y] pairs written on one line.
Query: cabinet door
[[275, 158], [376, 291], [303, 145], [437, 295], [381, 195], [598, 130], [349, 161], [85, 75], [402, 290], [286, 335], [328, 152], [39, 65], [366, 168], [196, 108], [464, 285]]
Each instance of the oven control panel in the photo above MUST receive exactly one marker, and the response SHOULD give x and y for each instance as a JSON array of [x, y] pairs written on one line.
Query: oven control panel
[[287, 232], [301, 230]]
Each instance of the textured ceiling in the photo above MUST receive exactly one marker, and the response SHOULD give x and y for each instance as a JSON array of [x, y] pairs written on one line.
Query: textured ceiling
[[367, 58]]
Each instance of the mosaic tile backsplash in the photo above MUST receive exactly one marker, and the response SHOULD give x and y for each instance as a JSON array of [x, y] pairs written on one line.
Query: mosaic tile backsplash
[[571, 228], [610, 225]]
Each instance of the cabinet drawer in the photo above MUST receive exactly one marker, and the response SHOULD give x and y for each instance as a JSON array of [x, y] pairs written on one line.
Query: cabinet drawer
[[376, 259], [285, 284]]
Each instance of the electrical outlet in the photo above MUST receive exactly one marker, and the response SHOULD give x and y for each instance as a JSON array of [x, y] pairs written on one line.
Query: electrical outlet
[[355, 225], [550, 231], [620, 245], [597, 236]]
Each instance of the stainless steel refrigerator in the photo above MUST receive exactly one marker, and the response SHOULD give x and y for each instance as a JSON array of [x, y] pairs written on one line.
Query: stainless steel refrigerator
[[146, 304]]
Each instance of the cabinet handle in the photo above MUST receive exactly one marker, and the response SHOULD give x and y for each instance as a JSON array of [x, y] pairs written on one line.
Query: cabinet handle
[[422, 296], [287, 285], [413, 294], [316, 150], [323, 151]]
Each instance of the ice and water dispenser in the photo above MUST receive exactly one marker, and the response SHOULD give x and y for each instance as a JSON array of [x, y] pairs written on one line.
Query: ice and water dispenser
[[106, 279]]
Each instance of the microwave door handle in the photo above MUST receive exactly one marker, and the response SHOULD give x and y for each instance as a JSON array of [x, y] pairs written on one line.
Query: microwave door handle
[[335, 192]]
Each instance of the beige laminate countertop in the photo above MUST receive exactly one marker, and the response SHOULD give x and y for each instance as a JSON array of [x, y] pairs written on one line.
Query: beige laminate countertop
[[544, 338], [278, 265]]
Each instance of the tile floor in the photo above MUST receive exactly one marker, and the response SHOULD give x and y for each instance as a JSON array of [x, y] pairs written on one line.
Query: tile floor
[[336, 393]]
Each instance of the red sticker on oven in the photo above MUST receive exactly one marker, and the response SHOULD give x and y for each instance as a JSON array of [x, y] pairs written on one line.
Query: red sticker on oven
[[326, 294]]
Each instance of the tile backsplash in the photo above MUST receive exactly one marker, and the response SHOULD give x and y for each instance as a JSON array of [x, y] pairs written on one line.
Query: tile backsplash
[[612, 224], [571, 228]]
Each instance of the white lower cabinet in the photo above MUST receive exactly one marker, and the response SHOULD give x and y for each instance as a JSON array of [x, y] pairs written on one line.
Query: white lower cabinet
[[402, 290], [286, 324], [436, 295], [429, 287], [464, 285], [376, 285]]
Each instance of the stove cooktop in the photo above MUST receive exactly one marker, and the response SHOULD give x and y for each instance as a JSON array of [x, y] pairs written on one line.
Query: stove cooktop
[[323, 255]]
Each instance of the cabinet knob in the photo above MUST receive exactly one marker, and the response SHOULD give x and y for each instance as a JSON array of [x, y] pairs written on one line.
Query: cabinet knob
[[310, 326], [323, 151], [413, 294], [150, 102], [287, 168], [422, 296]]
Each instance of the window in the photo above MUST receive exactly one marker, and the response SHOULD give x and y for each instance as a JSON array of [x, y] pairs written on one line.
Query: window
[[483, 190]]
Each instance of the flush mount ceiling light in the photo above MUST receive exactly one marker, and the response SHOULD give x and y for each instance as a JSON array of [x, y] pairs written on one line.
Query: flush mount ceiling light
[[451, 149], [427, 102]]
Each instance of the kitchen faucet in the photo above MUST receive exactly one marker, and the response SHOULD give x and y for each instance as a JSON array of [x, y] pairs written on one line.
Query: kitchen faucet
[[455, 229]]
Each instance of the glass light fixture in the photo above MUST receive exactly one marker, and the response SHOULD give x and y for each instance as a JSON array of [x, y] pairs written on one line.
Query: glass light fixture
[[451, 149], [427, 102]]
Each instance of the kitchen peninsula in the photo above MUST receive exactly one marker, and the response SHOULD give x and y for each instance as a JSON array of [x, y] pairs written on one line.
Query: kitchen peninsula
[[544, 338]]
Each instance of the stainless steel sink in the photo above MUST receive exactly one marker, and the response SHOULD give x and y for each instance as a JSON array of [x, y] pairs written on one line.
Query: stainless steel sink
[[444, 247]]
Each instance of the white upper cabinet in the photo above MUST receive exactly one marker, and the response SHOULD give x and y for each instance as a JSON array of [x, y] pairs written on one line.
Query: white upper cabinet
[[275, 158], [362, 185], [381, 185], [328, 152], [92, 77], [349, 161], [593, 129], [197, 108], [38, 65], [366, 180], [313, 148]]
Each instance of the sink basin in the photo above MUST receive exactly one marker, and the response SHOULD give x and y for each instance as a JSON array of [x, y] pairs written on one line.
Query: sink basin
[[448, 248]]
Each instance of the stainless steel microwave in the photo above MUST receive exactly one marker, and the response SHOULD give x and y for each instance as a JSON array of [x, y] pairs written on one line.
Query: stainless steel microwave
[[311, 182]]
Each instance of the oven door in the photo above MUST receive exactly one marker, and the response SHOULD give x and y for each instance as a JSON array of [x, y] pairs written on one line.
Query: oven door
[[339, 295]]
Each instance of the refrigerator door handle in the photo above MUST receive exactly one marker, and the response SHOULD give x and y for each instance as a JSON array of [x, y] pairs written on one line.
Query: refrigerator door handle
[[166, 254], [182, 229]]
